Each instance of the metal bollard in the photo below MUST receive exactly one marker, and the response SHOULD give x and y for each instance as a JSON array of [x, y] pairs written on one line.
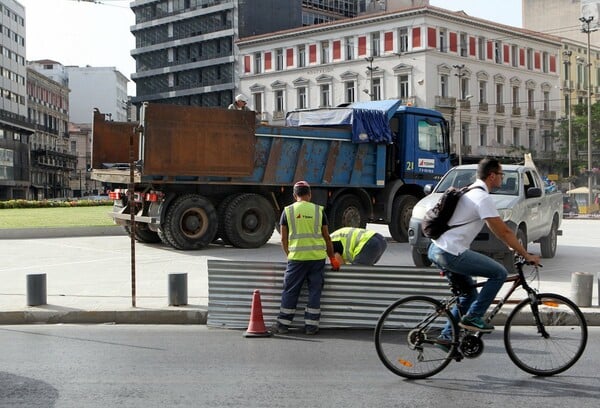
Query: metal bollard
[[36, 289], [178, 289], [582, 284]]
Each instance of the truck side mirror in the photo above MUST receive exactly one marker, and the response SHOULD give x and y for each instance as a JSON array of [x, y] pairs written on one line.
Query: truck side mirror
[[533, 192]]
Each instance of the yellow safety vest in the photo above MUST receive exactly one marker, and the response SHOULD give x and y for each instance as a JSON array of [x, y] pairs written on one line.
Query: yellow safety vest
[[353, 240], [305, 239]]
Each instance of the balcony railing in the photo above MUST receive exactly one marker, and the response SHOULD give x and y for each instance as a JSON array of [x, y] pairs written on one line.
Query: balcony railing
[[516, 111], [500, 109], [483, 107], [531, 113], [278, 115], [547, 115], [445, 102]]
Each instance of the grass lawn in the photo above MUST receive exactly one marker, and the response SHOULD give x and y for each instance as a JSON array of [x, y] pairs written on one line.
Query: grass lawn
[[55, 217]]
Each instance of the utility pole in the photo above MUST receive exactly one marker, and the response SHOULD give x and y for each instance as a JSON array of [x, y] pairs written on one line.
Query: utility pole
[[462, 97], [586, 29]]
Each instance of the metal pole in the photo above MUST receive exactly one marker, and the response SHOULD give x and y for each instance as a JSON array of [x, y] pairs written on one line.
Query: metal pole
[[461, 97], [568, 91], [586, 29]]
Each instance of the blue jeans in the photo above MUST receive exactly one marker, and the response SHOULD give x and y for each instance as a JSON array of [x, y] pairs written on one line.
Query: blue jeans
[[469, 264]]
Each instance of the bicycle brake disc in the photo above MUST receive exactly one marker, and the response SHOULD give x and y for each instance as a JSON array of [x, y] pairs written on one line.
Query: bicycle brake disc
[[471, 346]]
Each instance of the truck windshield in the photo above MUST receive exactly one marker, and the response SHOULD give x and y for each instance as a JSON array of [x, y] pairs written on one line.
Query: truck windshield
[[431, 136], [459, 178]]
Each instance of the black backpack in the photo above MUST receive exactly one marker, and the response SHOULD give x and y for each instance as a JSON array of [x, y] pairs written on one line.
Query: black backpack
[[435, 222]]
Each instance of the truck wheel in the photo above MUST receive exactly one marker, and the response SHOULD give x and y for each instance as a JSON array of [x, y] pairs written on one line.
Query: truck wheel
[[221, 208], [522, 237], [163, 237], [419, 259], [548, 243], [347, 211], [191, 222], [249, 221], [145, 235], [401, 213]]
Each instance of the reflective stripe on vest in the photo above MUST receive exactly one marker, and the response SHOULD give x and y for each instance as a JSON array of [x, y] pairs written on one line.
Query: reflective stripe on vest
[[305, 239], [354, 240]]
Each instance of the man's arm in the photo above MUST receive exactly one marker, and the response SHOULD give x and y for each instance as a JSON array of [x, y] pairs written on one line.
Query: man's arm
[[328, 243], [284, 238], [502, 231]]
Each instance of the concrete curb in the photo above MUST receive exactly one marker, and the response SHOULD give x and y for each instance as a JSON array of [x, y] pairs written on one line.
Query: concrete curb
[[51, 232], [147, 316]]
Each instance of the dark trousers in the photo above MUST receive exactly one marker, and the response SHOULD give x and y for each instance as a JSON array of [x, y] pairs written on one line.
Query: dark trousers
[[295, 274], [372, 251]]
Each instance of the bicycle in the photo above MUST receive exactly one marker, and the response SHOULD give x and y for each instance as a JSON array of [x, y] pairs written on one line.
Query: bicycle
[[545, 333]]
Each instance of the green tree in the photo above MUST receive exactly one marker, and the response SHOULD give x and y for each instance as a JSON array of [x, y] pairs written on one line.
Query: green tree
[[579, 136]]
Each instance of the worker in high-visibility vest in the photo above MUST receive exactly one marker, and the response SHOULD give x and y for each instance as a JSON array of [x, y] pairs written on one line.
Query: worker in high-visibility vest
[[306, 243], [358, 246]]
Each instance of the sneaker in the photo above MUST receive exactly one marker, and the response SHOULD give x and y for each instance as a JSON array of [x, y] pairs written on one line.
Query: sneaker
[[475, 324], [443, 343], [311, 330], [278, 328]]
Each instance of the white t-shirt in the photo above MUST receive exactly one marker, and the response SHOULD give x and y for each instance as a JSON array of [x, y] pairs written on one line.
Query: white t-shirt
[[473, 207]]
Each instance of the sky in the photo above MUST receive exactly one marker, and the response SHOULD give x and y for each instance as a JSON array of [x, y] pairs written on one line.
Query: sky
[[96, 33]]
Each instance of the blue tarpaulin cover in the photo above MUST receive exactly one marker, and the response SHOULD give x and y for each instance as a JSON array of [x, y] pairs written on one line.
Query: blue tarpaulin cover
[[369, 120]]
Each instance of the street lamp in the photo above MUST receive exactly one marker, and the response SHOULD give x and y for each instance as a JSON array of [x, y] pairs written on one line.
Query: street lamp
[[586, 29], [371, 68], [460, 141], [568, 91]]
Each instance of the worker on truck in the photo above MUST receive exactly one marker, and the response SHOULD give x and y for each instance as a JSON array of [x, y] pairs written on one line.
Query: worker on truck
[[240, 103], [358, 246]]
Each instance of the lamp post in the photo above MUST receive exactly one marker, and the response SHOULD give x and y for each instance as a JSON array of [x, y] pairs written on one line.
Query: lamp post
[[586, 29], [461, 98], [371, 68], [568, 91]]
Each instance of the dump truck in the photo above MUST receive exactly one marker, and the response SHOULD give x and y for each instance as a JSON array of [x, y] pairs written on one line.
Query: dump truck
[[189, 176]]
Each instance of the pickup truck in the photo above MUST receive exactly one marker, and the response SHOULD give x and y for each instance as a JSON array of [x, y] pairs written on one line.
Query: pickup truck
[[531, 212]]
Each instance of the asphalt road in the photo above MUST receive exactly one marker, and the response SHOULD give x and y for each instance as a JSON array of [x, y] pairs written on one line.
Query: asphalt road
[[195, 366]]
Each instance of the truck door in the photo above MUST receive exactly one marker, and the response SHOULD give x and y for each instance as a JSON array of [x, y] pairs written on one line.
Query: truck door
[[426, 149], [534, 205]]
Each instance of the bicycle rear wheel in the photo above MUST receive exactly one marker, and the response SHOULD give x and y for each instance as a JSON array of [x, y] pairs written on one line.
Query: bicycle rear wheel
[[554, 346], [406, 337]]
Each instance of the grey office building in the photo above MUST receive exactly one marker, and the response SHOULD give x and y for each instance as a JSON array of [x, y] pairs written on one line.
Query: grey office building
[[185, 49]]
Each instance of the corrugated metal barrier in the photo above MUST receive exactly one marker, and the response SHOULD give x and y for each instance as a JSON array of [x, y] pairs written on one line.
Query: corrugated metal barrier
[[353, 297]]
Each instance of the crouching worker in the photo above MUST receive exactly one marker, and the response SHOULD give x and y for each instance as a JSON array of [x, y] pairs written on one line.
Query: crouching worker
[[306, 243], [358, 246]]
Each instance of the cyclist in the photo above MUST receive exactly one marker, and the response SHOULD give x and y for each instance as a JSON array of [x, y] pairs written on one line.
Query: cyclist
[[452, 254]]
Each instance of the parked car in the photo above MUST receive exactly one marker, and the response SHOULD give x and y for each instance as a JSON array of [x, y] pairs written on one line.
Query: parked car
[[570, 206]]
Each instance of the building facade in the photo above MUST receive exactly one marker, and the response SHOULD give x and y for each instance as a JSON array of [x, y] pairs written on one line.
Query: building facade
[[15, 129], [185, 50], [497, 85], [52, 160]]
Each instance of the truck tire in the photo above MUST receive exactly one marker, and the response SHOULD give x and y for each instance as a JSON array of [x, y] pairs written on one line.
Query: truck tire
[[548, 243], [419, 259], [249, 221], [401, 213], [145, 235], [347, 211], [221, 208], [163, 237], [191, 222]]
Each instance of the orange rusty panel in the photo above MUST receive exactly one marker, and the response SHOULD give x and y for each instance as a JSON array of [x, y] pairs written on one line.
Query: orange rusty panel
[[194, 141], [110, 141]]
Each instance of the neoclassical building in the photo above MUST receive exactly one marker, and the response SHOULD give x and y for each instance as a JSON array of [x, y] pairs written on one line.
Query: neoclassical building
[[497, 85]]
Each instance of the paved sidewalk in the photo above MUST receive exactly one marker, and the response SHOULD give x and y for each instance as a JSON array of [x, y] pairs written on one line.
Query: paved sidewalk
[[89, 274]]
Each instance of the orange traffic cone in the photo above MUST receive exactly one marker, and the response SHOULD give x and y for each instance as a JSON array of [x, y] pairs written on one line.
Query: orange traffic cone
[[256, 326]]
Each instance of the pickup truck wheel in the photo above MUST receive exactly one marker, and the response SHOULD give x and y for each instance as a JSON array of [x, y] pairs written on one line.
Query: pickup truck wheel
[[347, 211], [419, 259], [191, 222], [522, 237], [401, 213], [145, 235], [548, 243], [249, 221]]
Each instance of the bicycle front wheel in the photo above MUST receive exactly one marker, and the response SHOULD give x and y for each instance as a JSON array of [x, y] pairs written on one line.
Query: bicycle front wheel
[[406, 337], [548, 345]]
